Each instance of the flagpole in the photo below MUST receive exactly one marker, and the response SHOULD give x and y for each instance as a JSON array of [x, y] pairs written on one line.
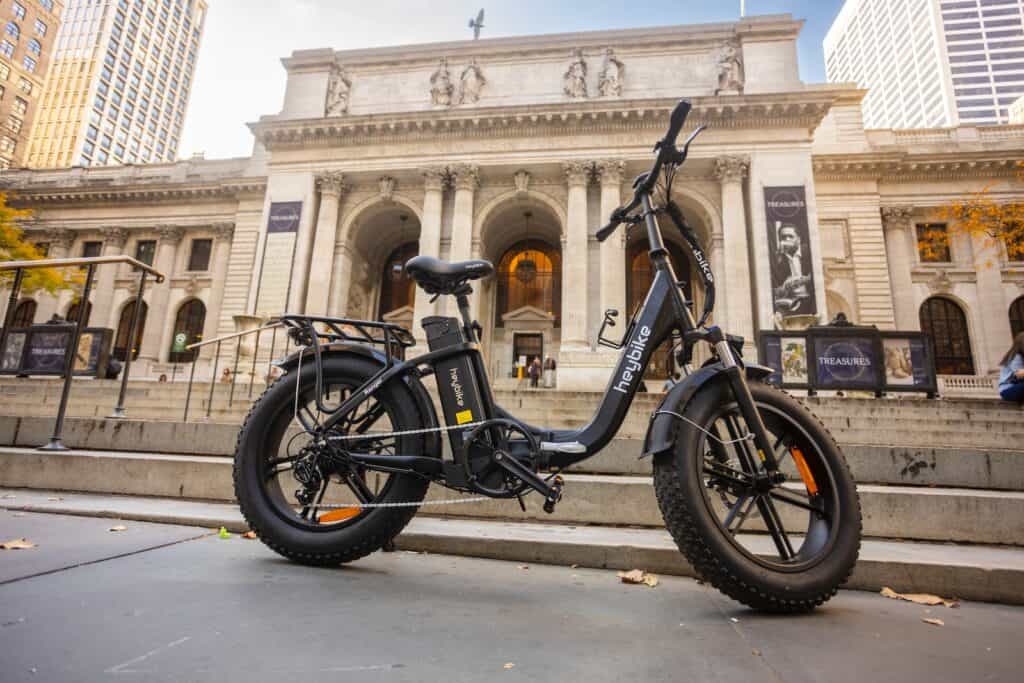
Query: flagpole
[[743, 8]]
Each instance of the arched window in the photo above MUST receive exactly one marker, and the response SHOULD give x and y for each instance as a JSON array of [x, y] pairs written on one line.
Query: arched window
[[34, 46], [124, 328], [944, 321], [1017, 316], [72, 315], [188, 329], [530, 274], [638, 281], [13, 30], [397, 290], [641, 272], [24, 314]]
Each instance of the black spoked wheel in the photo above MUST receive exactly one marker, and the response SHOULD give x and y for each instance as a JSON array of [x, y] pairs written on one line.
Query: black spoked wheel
[[779, 545], [302, 495]]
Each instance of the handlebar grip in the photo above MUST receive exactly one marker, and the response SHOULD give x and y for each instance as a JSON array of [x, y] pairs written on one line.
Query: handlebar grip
[[606, 232], [676, 121]]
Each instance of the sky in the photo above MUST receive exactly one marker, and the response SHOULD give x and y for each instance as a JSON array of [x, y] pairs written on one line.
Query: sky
[[239, 76]]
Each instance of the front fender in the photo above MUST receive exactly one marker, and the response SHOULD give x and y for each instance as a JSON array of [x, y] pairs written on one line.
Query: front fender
[[413, 384], [661, 433]]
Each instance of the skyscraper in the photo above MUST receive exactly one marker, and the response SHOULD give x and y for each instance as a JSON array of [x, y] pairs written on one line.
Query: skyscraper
[[120, 83], [26, 48], [930, 63]]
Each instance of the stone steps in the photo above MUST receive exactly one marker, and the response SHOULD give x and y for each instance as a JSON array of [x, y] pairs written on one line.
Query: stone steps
[[974, 572], [901, 512], [907, 466]]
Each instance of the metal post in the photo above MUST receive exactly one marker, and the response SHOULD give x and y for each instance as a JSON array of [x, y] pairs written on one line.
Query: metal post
[[12, 303], [69, 364], [188, 394], [174, 370], [270, 360], [119, 410], [213, 380], [255, 355], [234, 371]]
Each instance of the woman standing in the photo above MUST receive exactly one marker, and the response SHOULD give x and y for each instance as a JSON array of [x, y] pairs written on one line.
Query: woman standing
[[1011, 372]]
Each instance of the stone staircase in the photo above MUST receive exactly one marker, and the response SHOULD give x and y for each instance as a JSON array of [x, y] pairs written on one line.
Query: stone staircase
[[929, 473]]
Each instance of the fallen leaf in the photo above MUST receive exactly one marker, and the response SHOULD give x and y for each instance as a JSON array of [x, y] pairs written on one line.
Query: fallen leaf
[[574, 566], [638, 576], [509, 665], [934, 622], [224, 533], [919, 598], [18, 544], [756, 653], [249, 534], [119, 527], [54, 498], [734, 620], [524, 566]]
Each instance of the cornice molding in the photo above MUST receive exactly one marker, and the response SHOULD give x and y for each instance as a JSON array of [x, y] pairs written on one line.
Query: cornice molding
[[803, 110], [905, 167], [30, 195]]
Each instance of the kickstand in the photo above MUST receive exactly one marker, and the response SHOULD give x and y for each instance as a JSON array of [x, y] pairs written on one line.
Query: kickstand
[[521, 503]]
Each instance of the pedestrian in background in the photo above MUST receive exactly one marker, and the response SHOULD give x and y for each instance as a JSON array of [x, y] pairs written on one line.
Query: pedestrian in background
[[1011, 372], [535, 372], [549, 373]]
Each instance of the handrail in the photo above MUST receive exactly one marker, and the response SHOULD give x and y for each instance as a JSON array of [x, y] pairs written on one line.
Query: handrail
[[206, 342], [83, 261]]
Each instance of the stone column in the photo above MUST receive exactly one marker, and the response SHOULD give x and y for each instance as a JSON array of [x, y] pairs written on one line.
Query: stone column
[[60, 241], [332, 186], [106, 275], [898, 240], [613, 249], [466, 180], [434, 180], [223, 232], [575, 281], [153, 347], [734, 283], [296, 302]]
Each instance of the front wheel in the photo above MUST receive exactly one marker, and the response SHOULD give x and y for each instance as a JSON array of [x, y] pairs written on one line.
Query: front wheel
[[779, 546]]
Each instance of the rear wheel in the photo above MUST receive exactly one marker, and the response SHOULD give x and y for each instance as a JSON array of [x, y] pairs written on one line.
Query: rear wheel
[[782, 546], [304, 504]]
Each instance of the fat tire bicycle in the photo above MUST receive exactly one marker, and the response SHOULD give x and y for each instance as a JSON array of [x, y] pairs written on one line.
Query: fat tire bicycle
[[752, 487]]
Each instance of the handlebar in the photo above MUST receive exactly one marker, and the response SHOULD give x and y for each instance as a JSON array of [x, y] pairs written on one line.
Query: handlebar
[[667, 153]]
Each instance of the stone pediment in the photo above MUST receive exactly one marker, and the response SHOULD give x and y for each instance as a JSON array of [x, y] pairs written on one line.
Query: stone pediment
[[399, 315], [528, 314]]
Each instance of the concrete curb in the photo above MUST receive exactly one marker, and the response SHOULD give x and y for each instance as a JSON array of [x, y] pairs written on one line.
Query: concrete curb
[[984, 573]]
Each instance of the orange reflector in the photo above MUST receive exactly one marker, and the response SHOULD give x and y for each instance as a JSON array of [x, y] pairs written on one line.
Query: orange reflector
[[339, 515], [805, 471]]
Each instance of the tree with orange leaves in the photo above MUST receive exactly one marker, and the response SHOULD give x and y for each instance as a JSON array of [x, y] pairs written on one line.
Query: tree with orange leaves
[[14, 247]]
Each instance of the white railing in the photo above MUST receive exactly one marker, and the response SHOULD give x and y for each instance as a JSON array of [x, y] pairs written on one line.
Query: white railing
[[968, 385]]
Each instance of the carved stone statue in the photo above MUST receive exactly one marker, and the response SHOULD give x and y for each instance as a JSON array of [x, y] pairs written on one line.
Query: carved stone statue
[[730, 70], [441, 87], [575, 78], [471, 83], [612, 72], [339, 87]]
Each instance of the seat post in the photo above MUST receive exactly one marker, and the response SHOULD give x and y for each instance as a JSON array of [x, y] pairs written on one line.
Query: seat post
[[462, 299]]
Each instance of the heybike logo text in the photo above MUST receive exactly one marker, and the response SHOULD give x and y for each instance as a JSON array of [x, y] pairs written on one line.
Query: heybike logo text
[[634, 353], [705, 267], [456, 385]]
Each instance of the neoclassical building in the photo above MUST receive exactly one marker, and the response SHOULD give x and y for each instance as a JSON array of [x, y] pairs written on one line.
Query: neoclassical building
[[516, 150]]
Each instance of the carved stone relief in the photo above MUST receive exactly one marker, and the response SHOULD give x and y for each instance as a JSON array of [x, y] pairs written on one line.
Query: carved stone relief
[[441, 87], [387, 188], [471, 83], [612, 72], [339, 88], [730, 70], [522, 181], [574, 81]]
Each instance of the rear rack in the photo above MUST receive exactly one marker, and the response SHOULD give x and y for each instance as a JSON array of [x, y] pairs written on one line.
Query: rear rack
[[302, 329]]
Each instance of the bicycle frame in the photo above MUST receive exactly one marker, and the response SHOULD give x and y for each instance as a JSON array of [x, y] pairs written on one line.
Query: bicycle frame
[[663, 312]]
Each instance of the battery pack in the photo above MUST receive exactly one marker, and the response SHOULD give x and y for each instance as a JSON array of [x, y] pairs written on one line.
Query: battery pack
[[456, 378]]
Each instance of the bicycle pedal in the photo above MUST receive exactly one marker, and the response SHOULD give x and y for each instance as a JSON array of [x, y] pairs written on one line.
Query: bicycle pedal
[[554, 495]]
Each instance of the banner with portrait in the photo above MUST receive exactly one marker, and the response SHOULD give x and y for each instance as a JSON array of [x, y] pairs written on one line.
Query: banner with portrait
[[789, 252]]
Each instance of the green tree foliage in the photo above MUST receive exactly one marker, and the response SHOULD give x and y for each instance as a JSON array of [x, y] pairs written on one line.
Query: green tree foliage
[[14, 247]]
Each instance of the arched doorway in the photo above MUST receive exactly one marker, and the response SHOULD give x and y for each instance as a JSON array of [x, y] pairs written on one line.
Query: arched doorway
[[72, 314], [945, 323], [397, 291], [124, 329], [1017, 316], [188, 329], [521, 306], [639, 276], [24, 314]]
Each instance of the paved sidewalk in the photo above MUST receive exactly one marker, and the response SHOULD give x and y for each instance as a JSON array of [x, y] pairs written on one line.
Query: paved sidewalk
[[155, 606]]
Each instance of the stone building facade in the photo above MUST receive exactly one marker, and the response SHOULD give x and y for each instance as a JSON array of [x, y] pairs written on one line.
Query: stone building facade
[[516, 150]]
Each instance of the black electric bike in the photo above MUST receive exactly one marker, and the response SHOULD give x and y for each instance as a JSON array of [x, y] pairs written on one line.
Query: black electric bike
[[752, 487]]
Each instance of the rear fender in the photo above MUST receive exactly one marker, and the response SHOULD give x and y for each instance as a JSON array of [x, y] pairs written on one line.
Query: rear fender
[[661, 434], [413, 385]]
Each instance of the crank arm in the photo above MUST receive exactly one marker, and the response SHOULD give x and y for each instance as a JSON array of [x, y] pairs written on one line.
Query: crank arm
[[552, 494]]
